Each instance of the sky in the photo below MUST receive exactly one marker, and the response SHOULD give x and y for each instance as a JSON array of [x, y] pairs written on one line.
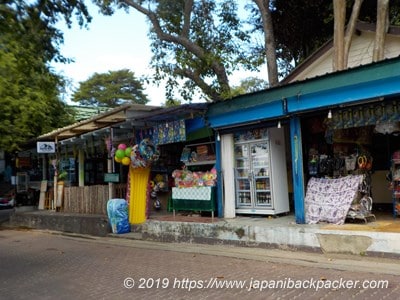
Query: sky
[[113, 43]]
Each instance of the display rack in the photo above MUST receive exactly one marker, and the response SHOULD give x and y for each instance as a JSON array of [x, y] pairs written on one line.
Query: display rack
[[190, 196], [254, 181], [199, 154], [395, 170], [260, 173]]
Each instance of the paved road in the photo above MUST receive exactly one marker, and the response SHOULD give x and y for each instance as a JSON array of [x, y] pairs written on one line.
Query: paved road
[[45, 265]]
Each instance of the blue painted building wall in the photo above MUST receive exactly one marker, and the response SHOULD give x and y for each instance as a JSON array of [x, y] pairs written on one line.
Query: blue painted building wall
[[289, 102]]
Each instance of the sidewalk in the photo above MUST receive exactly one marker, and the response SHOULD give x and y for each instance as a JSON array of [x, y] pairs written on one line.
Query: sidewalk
[[379, 239]]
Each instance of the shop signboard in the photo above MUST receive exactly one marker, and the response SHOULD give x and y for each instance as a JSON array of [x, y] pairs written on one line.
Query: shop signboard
[[46, 147], [111, 177]]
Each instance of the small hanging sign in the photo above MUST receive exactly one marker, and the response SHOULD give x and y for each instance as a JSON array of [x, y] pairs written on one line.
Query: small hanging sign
[[111, 177], [46, 147]]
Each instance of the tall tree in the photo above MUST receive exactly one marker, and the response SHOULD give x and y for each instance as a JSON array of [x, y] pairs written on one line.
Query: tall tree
[[342, 35], [377, 11], [339, 8], [382, 25], [264, 8], [250, 85], [196, 44], [28, 88], [110, 89], [299, 27]]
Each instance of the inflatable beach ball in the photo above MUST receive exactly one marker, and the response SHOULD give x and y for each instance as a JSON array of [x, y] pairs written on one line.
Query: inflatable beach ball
[[128, 151], [126, 161], [120, 154], [122, 146]]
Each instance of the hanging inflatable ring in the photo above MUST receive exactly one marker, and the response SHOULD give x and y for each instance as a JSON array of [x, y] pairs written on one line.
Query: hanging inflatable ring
[[362, 161], [147, 149]]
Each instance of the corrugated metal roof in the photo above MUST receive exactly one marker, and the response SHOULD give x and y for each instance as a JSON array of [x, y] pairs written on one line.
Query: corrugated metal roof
[[106, 119], [374, 80], [85, 112], [128, 116]]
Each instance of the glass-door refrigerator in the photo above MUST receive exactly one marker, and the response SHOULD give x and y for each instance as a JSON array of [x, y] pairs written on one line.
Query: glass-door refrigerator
[[260, 175]]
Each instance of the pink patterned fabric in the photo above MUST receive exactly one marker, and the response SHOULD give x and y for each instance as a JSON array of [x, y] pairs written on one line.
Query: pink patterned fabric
[[329, 200]]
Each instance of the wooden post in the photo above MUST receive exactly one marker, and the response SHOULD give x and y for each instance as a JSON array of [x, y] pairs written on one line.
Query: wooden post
[[53, 204], [81, 168]]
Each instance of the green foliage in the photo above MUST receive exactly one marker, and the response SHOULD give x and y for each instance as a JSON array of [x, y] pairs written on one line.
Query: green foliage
[[249, 85], [28, 88], [172, 102], [110, 90], [302, 26], [196, 45]]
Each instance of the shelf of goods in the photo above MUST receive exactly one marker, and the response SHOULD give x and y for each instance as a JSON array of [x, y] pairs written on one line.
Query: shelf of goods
[[195, 191], [396, 186], [199, 154], [247, 181], [260, 174]]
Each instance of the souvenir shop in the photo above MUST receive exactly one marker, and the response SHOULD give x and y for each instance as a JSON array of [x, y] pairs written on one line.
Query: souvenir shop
[[352, 114], [361, 141], [187, 163], [171, 168]]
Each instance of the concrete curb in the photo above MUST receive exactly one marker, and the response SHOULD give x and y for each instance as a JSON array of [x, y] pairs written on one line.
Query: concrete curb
[[292, 237], [259, 233], [83, 224]]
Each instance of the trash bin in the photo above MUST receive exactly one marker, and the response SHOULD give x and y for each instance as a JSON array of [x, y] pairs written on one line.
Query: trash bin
[[117, 211]]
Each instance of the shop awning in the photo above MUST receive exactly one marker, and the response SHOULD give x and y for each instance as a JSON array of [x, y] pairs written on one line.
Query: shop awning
[[127, 117], [334, 90], [104, 120]]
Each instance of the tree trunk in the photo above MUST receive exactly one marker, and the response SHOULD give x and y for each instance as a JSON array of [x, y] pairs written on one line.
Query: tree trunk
[[382, 24], [339, 11], [269, 41], [183, 40], [351, 26]]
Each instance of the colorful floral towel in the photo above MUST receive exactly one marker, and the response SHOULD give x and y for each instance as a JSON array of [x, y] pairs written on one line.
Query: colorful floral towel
[[329, 200]]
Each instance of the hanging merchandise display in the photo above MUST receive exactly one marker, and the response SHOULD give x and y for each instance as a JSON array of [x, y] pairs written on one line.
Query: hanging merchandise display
[[169, 132], [341, 167], [325, 165], [159, 183], [395, 182], [139, 159], [385, 115], [137, 156], [387, 127]]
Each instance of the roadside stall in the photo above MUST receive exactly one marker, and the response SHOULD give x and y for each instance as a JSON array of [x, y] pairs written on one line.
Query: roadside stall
[[348, 155], [152, 155]]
